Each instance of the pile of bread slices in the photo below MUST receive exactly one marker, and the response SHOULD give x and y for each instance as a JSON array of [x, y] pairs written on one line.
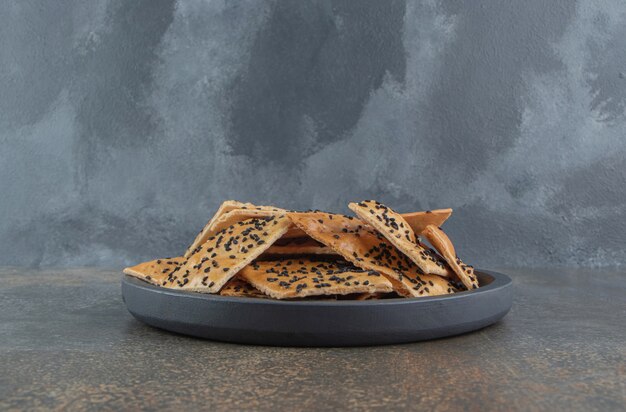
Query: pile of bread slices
[[267, 252]]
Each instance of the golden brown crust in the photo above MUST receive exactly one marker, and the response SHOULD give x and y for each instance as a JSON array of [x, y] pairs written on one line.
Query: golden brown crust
[[240, 288], [367, 249], [442, 243], [154, 271], [393, 226], [218, 259], [419, 220], [309, 276]]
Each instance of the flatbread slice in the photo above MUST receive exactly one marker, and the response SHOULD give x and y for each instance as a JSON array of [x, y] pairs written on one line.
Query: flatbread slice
[[154, 271], [237, 215], [225, 207], [393, 227], [419, 220], [367, 249], [232, 211], [299, 246], [298, 278], [218, 259], [441, 242], [240, 288]]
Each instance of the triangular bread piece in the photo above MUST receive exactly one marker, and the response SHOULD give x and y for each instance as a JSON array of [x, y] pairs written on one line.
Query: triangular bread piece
[[231, 212], [219, 258], [367, 249], [441, 242], [237, 215], [240, 288], [299, 246], [393, 227], [154, 271], [419, 220], [307, 276], [225, 207]]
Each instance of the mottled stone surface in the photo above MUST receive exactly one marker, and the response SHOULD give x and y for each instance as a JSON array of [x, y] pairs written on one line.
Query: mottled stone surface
[[123, 124], [67, 342]]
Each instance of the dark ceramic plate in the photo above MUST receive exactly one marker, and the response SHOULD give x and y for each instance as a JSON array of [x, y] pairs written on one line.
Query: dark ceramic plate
[[319, 323]]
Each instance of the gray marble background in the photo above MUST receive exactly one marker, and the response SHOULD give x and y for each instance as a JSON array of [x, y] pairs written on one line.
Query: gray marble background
[[123, 124]]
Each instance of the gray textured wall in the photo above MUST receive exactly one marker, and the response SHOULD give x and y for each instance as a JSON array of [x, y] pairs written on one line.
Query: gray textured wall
[[123, 124]]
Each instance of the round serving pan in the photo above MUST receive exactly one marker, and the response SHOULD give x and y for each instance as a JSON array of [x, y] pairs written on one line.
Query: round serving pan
[[319, 323]]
